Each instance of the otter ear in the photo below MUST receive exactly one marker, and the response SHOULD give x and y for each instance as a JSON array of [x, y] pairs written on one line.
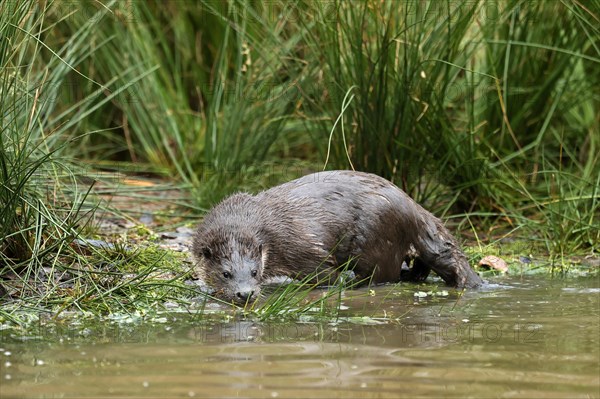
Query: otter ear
[[206, 252]]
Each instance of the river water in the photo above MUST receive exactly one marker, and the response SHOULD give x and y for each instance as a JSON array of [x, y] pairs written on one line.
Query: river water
[[524, 338]]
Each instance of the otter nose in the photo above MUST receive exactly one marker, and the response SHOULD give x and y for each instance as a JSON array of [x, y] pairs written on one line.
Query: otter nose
[[245, 295]]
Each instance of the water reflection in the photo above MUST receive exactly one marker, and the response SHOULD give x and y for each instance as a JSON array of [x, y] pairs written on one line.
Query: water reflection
[[521, 339]]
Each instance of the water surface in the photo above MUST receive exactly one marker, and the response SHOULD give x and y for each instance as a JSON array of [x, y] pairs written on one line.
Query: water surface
[[519, 338]]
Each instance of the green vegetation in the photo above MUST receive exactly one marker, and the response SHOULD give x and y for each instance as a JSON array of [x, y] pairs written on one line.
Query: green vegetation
[[484, 112]]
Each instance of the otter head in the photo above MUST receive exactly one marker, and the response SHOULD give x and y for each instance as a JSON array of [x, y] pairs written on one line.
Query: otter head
[[232, 263]]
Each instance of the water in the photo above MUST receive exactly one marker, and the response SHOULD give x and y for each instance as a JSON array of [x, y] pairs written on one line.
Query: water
[[520, 338]]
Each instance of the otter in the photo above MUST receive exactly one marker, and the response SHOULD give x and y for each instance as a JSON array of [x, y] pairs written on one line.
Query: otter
[[313, 225]]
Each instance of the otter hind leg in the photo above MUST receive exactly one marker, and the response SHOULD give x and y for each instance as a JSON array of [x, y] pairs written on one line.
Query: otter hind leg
[[416, 271]]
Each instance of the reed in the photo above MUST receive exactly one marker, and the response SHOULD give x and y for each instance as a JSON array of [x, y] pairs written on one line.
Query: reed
[[484, 112]]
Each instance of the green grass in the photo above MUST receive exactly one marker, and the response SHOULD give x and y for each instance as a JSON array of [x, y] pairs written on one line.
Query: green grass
[[484, 112], [45, 206], [38, 217], [297, 299]]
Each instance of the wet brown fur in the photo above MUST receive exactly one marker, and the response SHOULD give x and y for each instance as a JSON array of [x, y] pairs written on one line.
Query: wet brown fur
[[320, 221]]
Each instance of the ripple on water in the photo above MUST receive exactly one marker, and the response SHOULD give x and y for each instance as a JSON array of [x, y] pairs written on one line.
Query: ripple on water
[[520, 340]]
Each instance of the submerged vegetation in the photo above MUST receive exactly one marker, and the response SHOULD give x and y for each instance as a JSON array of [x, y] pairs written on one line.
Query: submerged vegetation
[[484, 112]]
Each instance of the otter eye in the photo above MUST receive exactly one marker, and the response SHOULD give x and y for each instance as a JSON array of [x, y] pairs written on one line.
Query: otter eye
[[254, 273], [226, 274]]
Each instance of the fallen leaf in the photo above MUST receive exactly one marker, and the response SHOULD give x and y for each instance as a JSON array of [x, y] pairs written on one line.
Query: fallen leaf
[[493, 262]]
